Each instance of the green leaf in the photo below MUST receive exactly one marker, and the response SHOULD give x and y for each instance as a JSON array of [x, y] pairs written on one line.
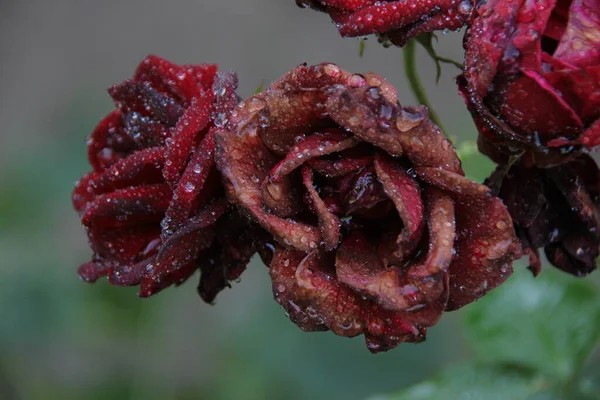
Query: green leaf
[[426, 40], [475, 382], [550, 323]]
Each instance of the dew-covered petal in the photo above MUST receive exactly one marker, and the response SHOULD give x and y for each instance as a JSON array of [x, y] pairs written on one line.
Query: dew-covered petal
[[131, 96], [580, 44], [329, 223], [456, 185], [303, 285], [177, 81], [245, 162], [395, 288], [184, 137], [366, 113], [99, 156], [192, 183], [386, 16], [311, 147], [528, 103], [128, 206], [140, 167], [402, 189], [485, 246], [236, 241], [184, 245]]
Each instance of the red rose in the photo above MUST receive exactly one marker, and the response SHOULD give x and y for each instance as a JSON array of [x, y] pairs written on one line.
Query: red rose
[[153, 206], [377, 230], [557, 209], [396, 20], [532, 78]]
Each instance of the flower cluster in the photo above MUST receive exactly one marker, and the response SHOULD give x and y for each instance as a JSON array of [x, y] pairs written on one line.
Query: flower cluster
[[532, 83], [372, 227], [358, 205]]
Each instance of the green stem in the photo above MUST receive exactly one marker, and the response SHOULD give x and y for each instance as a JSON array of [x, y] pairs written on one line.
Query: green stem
[[410, 69]]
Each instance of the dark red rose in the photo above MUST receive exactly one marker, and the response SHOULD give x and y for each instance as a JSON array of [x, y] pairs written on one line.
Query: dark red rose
[[532, 78], [396, 20], [153, 206], [557, 209], [377, 230]]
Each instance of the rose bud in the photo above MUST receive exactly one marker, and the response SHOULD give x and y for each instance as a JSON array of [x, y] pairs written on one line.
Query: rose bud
[[153, 206], [377, 230], [398, 21], [555, 208], [532, 78]]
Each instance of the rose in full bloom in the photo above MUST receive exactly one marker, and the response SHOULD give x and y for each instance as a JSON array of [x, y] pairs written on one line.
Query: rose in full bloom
[[377, 231], [153, 206], [395, 20], [555, 208], [532, 78]]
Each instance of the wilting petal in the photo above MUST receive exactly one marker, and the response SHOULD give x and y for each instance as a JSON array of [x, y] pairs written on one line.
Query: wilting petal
[[184, 137], [580, 44], [185, 244], [452, 182], [530, 104], [405, 194], [178, 81], [128, 206], [236, 241], [312, 147], [99, 156], [131, 96], [329, 223], [362, 17], [485, 246], [244, 160]]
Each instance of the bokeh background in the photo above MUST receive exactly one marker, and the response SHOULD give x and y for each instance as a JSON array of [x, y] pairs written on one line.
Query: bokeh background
[[64, 339]]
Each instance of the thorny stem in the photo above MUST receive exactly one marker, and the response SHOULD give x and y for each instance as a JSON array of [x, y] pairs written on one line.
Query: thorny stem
[[416, 87]]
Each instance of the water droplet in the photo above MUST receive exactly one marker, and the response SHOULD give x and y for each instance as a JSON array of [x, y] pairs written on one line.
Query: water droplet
[[189, 187]]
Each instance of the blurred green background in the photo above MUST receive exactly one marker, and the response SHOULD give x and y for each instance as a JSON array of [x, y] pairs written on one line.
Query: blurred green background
[[64, 339]]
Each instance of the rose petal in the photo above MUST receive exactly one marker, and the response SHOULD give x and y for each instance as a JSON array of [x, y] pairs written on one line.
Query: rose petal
[[580, 44], [386, 16], [185, 244], [329, 223], [530, 104], [485, 246], [184, 137], [131, 96], [311, 147], [244, 161], [357, 264], [405, 194], [99, 157], [177, 81], [455, 184], [128, 206], [236, 241], [191, 185]]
